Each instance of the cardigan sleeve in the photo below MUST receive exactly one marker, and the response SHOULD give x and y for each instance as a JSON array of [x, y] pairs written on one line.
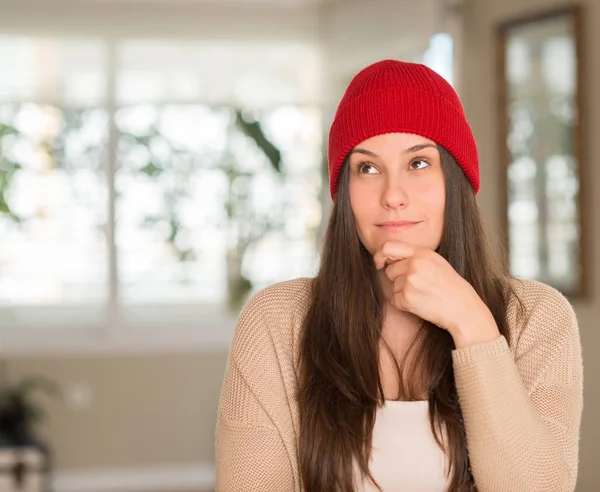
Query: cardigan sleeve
[[250, 452], [522, 407], [250, 455]]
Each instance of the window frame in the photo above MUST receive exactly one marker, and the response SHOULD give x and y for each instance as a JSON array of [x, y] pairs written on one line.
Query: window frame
[[53, 330]]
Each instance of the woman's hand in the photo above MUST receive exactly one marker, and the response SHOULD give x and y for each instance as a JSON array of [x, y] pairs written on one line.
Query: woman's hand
[[426, 285]]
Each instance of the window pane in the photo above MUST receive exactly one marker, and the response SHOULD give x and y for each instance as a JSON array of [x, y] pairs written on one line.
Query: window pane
[[202, 214], [543, 179], [59, 71], [53, 203], [247, 74], [169, 206], [440, 55], [287, 249]]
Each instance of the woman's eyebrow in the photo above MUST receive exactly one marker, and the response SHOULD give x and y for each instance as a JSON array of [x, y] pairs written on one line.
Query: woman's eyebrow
[[416, 148], [410, 150], [363, 151]]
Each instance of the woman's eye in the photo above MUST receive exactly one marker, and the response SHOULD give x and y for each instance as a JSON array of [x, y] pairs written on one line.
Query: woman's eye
[[419, 164], [366, 169]]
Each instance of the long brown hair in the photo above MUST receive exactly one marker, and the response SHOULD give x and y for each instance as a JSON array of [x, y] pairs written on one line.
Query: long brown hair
[[340, 387]]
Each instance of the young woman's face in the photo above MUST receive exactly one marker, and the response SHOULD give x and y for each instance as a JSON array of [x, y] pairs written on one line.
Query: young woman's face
[[397, 190]]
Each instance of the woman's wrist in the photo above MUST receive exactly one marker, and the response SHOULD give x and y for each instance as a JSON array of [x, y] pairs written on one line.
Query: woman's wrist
[[478, 328]]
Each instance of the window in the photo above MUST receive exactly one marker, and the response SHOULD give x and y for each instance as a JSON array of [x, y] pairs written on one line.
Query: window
[[439, 55], [154, 181], [540, 123]]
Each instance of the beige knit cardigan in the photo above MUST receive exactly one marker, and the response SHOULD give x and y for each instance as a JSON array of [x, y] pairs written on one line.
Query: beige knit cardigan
[[521, 404]]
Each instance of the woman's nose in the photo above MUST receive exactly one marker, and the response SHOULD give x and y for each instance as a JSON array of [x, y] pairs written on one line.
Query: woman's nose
[[394, 194]]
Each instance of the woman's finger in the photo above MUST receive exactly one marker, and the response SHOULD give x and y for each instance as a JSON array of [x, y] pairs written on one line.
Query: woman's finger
[[396, 269], [398, 285], [393, 251]]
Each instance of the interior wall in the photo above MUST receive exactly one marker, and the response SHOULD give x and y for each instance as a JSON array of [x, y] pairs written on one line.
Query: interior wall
[[480, 99], [184, 19], [130, 411]]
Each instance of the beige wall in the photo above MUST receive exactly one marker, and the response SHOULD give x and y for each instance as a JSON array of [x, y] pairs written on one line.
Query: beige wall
[[479, 96], [146, 410]]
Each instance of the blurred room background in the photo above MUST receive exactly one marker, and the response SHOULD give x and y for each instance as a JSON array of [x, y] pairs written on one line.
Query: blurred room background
[[162, 160]]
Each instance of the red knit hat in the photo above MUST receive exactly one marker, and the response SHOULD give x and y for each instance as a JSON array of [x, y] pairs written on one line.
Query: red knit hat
[[392, 96]]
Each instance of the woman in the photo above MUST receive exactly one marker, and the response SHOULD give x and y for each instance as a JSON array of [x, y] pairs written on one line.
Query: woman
[[412, 362]]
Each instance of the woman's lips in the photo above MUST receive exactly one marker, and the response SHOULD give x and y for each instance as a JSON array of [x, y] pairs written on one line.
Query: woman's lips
[[399, 225]]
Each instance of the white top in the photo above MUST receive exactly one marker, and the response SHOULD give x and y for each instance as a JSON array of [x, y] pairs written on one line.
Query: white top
[[405, 455]]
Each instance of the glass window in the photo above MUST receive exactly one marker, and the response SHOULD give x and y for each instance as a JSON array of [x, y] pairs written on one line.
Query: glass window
[[53, 203], [213, 150], [541, 105]]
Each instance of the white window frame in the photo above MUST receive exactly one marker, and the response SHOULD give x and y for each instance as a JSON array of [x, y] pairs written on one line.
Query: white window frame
[[43, 330]]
